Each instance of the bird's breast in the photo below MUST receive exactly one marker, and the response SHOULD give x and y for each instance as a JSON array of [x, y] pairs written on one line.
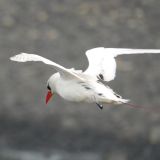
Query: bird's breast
[[73, 91]]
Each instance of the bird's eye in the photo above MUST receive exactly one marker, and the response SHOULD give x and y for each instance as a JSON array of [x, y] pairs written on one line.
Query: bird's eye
[[48, 87]]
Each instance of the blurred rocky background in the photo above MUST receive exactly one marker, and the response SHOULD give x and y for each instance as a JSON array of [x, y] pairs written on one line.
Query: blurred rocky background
[[62, 30]]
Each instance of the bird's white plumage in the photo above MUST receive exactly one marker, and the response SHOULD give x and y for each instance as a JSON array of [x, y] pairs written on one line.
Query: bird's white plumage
[[101, 63], [83, 86], [102, 60], [65, 73]]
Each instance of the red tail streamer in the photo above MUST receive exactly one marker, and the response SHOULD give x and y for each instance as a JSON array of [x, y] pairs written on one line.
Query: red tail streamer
[[142, 107]]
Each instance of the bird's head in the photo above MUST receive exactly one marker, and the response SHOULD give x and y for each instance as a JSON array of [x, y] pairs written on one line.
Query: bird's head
[[51, 86]]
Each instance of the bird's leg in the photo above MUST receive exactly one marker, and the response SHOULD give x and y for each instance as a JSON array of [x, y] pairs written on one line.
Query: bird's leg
[[99, 105]]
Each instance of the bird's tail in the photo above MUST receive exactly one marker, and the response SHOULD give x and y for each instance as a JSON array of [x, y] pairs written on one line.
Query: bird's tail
[[155, 109], [126, 102], [121, 101], [135, 106]]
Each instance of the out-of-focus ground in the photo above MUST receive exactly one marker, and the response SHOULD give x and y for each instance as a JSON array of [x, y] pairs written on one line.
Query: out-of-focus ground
[[63, 30]]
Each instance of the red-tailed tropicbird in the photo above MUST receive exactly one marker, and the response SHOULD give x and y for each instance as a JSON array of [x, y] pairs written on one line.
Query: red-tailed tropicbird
[[78, 86]]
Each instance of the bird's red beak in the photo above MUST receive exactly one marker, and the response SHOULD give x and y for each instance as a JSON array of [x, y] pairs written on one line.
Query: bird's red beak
[[48, 96]]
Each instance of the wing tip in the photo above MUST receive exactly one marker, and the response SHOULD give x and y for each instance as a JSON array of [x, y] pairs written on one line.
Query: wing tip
[[18, 57], [13, 58]]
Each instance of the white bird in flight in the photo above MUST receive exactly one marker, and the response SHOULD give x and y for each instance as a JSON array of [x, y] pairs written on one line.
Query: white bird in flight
[[78, 86]]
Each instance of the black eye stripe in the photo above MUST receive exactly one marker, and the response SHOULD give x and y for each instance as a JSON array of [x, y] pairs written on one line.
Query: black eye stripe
[[48, 87]]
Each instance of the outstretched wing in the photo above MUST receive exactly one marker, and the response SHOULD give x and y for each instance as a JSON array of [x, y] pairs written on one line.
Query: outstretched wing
[[102, 62], [65, 73]]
